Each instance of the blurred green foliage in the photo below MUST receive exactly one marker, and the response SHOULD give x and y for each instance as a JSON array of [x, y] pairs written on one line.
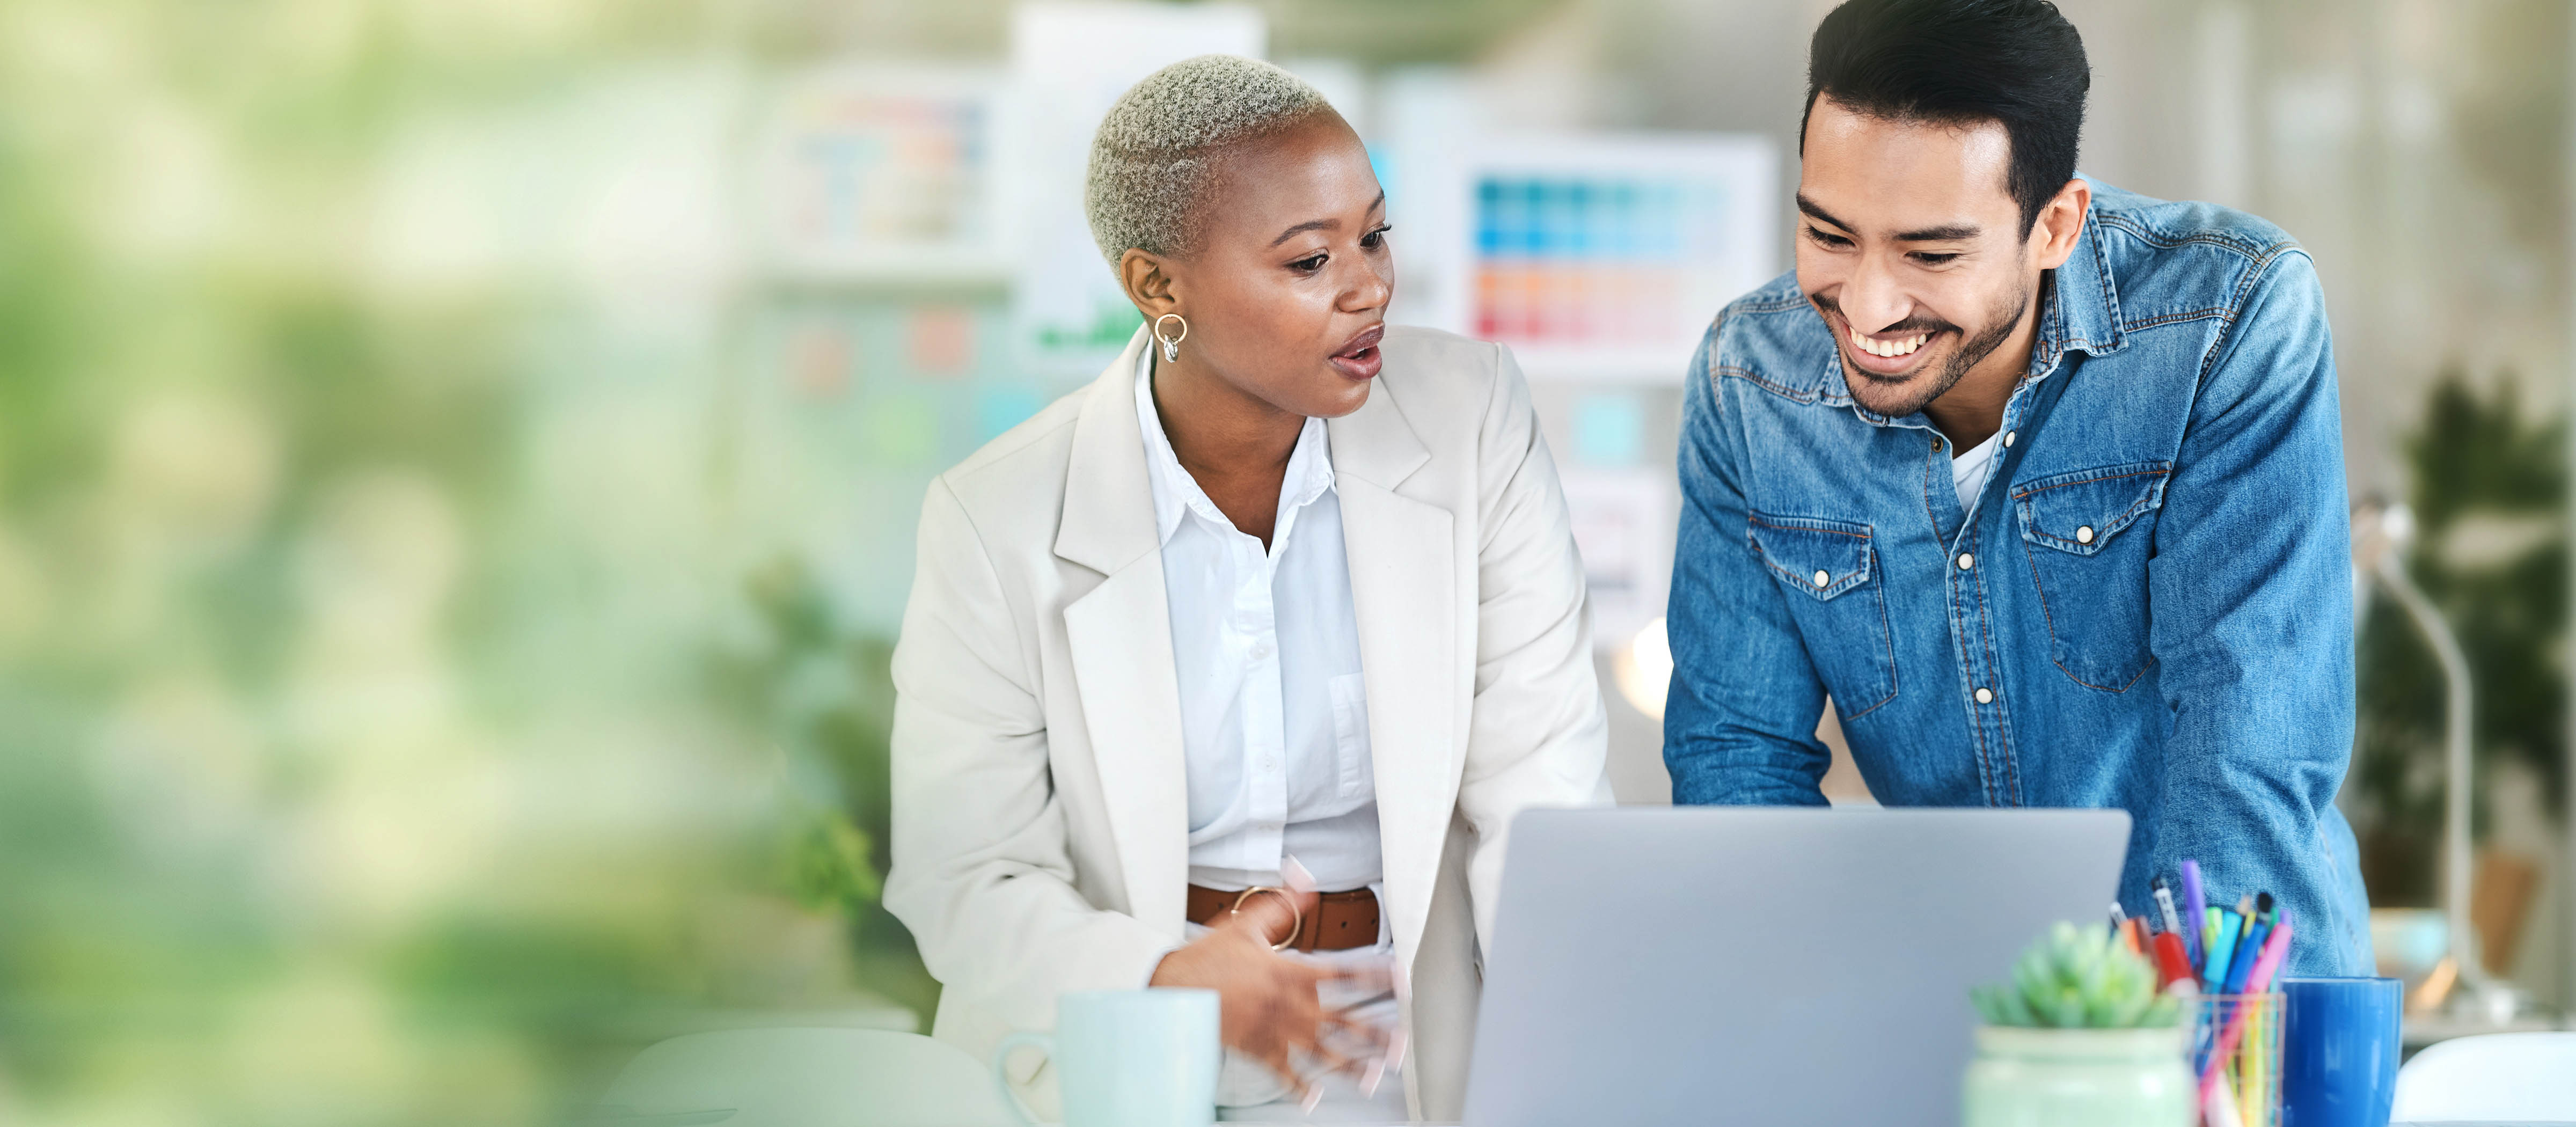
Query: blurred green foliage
[[824, 691], [363, 760], [2489, 494]]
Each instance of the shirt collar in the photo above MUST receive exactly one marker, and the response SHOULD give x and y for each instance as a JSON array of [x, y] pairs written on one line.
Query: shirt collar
[[1177, 494], [2082, 309]]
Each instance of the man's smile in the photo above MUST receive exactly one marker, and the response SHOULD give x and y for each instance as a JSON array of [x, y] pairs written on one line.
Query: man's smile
[[1890, 355], [1901, 346]]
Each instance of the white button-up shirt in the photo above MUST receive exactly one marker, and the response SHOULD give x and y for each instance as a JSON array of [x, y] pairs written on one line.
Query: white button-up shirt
[[1274, 718]]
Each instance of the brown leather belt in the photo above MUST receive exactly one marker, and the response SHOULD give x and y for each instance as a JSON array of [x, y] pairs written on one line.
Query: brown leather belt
[[1339, 921]]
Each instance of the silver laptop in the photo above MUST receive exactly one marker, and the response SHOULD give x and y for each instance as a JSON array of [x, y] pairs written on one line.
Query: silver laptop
[[1774, 966]]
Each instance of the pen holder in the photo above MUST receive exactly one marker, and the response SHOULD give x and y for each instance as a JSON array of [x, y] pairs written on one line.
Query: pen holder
[[2238, 1036]]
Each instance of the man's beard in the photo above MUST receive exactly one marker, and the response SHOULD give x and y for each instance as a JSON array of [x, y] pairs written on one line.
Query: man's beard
[[1921, 388]]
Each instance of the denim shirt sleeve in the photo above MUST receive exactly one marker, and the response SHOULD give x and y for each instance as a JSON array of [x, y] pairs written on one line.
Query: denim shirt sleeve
[[1740, 717], [2251, 588]]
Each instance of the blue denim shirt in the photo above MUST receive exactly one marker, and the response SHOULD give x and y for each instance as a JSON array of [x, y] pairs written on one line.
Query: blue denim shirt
[[2153, 591]]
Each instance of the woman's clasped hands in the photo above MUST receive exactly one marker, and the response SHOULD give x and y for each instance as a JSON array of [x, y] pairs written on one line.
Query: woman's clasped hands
[[1269, 1006]]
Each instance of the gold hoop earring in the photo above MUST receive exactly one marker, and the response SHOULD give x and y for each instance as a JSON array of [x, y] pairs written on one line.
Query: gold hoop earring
[[1171, 345]]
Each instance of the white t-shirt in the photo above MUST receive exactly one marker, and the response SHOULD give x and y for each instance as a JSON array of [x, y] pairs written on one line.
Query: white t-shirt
[[1968, 470]]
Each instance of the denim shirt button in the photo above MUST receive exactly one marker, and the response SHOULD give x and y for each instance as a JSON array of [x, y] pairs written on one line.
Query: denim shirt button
[[2084, 535], [1967, 560], [1823, 578], [1985, 696], [2008, 437]]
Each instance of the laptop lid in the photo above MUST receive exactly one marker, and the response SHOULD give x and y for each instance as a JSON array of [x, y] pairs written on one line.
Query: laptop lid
[[1763, 965]]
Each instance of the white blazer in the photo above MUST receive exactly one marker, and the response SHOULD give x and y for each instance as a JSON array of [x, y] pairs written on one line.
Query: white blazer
[[1040, 816]]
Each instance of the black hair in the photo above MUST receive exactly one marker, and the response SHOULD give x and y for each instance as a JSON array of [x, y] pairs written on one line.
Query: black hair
[[1956, 62]]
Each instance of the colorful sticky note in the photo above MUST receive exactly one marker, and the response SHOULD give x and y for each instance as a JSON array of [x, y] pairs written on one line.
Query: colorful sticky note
[[942, 340], [1609, 429], [820, 359]]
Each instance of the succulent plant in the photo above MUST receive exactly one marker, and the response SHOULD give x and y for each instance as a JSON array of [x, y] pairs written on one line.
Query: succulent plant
[[2078, 978]]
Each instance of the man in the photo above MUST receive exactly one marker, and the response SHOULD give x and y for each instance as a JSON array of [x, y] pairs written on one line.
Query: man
[[2039, 481]]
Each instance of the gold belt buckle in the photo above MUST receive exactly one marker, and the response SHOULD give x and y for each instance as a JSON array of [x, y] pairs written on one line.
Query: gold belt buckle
[[1296, 916]]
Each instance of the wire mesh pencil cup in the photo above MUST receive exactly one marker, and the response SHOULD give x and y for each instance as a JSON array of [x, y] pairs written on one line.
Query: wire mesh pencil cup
[[2240, 1036]]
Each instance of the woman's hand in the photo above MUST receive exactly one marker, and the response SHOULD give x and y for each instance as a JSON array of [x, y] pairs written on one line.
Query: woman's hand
[[1266, 1003]]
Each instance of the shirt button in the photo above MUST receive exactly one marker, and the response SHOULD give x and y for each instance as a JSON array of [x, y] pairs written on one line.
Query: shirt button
[[1823, 579], [1967, 560], [2008, 437], [2084, 535], [1261, 650], [1985, 696]]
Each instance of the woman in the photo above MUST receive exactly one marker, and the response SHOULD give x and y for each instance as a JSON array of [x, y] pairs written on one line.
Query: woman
[[1178, 643]]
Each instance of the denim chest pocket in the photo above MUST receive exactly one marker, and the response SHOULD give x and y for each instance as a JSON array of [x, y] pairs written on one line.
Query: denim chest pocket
[[2089, 535], [1829, 571]]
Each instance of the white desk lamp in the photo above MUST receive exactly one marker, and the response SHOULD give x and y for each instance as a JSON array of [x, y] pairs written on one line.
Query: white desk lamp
[[2381, 533]]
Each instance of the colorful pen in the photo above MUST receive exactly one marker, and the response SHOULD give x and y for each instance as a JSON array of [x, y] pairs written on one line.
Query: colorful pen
[[2236, 947], [2222, 949], [2208, 938], [2219, 1112], [2276, 954], [2258, 928], [2172, 963], [2195, 907], [2165, 905]]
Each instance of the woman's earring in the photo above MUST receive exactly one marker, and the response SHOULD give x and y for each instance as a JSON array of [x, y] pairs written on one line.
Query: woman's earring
[[1171, 344]]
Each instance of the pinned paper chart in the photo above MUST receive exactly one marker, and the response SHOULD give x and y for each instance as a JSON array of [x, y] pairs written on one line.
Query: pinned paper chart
[[1069, 62], [1577, 260], [1607, 257], [883, 173]]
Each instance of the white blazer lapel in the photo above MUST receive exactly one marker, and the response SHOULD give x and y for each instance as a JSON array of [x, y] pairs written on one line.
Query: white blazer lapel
[[1120, 637], [1404, 590]]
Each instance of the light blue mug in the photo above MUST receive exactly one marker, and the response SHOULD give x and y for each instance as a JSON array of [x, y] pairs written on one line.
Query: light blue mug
[[1126, 1058]]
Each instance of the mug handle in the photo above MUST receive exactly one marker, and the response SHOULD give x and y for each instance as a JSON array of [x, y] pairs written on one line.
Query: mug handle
[[1001, 1075]]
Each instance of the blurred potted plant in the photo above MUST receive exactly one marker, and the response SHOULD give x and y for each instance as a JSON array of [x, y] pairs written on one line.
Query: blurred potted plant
[[802, 681], [2079, 1036], [2488, 494]]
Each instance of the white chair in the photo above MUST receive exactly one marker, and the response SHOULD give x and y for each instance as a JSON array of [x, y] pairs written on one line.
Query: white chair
[[2530, 1077], [809, 1078]]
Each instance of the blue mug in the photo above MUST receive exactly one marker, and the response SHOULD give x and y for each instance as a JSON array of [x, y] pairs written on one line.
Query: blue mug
[[1127, 1058], [2339, 1051]]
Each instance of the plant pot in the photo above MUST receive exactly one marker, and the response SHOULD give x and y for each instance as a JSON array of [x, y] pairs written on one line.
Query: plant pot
[[2070, 1077]]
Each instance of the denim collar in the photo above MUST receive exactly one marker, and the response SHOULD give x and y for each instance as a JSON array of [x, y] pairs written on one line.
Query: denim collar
[[2082, 313], [2079, 311]]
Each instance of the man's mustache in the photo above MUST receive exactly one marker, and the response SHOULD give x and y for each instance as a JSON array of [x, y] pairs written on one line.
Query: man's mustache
[[1915, 324]]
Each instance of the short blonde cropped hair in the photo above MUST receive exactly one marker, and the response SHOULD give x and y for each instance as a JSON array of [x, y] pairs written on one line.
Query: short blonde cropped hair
[[1157, 153]]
